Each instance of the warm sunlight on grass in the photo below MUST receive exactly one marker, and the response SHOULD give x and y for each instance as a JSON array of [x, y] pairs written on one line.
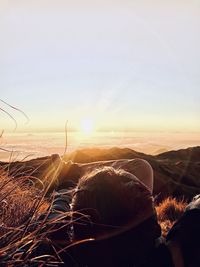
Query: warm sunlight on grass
[[87, 126]]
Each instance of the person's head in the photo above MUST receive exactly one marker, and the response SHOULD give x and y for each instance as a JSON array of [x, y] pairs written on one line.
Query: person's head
[[109, 200]]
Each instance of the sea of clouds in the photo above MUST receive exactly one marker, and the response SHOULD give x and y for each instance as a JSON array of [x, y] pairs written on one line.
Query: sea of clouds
[[19, 146]]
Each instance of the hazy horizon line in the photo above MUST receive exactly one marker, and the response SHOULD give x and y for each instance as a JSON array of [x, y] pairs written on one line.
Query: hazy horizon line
[[103, 130]]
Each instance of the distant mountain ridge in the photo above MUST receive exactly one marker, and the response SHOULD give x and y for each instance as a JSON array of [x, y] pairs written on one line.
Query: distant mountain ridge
[[191, 153], [176, 173]]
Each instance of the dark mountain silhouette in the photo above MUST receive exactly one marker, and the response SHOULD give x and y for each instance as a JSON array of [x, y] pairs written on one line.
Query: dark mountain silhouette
[[188, 154], [176, 173]]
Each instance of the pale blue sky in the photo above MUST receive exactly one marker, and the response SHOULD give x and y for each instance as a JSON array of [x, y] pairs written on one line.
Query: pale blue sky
[[126, 64]]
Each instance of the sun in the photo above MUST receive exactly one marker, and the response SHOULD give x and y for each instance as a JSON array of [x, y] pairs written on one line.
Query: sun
[[87, 125]]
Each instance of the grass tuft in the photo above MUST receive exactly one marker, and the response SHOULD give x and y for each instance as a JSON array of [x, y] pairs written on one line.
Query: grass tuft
[[169, 211], [24, 224]]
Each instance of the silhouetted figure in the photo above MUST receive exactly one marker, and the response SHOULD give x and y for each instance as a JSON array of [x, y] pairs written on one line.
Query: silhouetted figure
[[184, 237], [116, 209]]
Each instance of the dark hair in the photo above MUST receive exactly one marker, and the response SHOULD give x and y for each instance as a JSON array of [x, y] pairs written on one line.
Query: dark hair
[[107, 200]]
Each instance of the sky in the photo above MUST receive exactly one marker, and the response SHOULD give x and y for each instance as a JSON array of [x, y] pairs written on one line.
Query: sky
[[115, 65]]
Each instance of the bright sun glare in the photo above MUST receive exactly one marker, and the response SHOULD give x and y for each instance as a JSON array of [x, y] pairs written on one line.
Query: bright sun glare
[[87, 125]]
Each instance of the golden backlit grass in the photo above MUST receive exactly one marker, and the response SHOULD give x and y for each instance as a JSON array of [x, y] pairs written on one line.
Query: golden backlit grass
[[23, 223], [18, 199], [169, 211]]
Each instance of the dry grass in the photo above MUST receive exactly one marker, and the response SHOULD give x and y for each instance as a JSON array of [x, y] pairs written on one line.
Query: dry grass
[[22, 228], [169, 211], [18, 199]]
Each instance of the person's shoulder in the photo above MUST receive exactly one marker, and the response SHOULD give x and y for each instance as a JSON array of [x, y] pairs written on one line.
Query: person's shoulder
[[187, 226], [160, 256], [186, 233]]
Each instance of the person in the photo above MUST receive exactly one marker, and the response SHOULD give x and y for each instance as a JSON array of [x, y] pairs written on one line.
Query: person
[[183, 238], [111, 196], [114, 211], [71, 173]]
